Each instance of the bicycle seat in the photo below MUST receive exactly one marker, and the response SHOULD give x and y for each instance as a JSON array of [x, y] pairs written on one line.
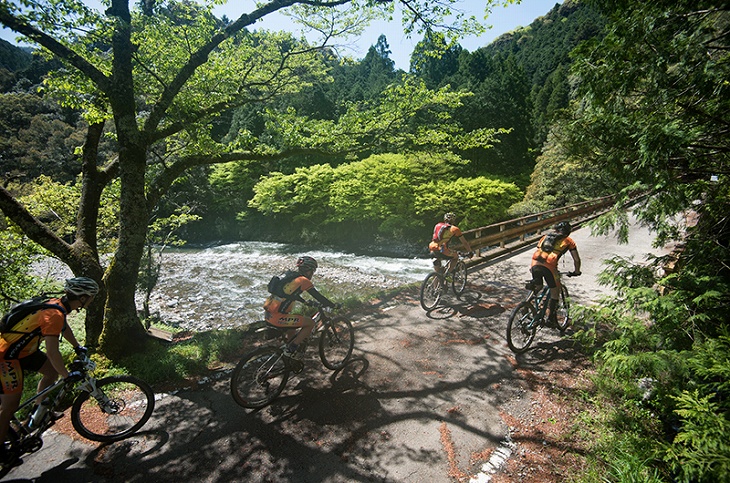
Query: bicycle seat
[[532, 285]]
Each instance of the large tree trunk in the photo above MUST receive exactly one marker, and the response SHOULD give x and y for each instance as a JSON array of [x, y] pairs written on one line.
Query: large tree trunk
[[122, 328]]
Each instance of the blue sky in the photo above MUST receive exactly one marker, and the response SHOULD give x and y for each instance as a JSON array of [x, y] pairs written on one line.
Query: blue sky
[[502, 19]]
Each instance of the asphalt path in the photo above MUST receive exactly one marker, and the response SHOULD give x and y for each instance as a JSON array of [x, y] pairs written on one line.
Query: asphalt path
[[422, 400]]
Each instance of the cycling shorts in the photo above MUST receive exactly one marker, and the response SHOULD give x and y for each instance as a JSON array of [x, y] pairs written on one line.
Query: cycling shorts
[[441, 252], [278, 319], [11, 371], [540, 273]]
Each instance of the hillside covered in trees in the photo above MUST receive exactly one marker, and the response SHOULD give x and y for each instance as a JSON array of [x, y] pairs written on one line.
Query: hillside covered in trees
[[515, 86]]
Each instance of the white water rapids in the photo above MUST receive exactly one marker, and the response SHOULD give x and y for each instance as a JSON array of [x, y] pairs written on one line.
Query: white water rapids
[[225, 286]]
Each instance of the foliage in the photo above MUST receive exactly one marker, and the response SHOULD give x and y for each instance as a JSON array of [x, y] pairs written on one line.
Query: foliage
[[560, 178], [16, 259], [37, 138], [654, 112], [57, 204], [387, 194]]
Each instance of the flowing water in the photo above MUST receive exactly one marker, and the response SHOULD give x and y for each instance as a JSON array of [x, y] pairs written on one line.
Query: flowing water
[[225, 286]]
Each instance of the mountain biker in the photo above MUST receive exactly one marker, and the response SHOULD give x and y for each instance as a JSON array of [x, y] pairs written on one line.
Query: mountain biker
[[20, 351], [278, 310], [443, 233], [545, 264]]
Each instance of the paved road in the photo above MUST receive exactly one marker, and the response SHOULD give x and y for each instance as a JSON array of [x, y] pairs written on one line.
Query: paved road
[[422, 401]]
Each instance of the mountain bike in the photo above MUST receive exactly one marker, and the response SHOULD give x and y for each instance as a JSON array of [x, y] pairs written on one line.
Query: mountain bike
[[105, 410], [262, 374], [529, 315], [436, 284]]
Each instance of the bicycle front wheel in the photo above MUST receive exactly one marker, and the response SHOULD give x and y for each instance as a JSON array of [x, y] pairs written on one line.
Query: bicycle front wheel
[[458, 282], [336, 343], [521, 327], [563, 309], [431, 290], [122, 406], [259, 378]]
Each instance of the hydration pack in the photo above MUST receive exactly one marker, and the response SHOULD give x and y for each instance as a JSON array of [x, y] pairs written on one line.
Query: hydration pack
[[20, 311], [550, 241], [277, 283]]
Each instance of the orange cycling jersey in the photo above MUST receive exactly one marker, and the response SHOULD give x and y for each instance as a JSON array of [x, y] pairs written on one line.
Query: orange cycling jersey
[[442, 234], [550, 258], [293, 289], [23, 342], [27, 334]]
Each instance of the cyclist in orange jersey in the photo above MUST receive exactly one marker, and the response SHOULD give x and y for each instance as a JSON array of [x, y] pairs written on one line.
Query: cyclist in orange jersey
[[20, 351], [544, 264], [278, 310], [443, 233]]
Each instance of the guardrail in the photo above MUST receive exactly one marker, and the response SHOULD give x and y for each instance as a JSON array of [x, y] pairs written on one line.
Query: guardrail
[[494, 241]]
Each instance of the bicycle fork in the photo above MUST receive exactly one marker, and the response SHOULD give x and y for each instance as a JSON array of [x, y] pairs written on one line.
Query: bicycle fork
[[106, 404]]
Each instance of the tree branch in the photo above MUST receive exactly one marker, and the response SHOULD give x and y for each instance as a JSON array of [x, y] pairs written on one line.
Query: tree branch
[[32, 226]]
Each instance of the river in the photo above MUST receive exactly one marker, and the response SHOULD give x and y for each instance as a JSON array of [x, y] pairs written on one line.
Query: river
[[225, 286]]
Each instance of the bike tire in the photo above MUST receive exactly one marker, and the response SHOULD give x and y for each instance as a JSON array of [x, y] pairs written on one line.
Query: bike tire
[[431, 290], [563, 309], [336, 343], [521, 327], [458, 281], [129, 406], [259, 378]]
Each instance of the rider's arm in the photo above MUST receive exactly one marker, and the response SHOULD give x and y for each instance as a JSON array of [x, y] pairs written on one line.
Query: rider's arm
[[68, 334], [54, 355], [462, 238], [320, 298], [576, 260]]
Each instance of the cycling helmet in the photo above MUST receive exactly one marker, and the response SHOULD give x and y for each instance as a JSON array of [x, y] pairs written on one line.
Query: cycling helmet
[[81, 286], [564, 228], [450, 217], [306, 263]]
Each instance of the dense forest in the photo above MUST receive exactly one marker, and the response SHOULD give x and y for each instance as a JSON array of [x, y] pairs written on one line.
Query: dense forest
[[516, 86], [121, 138]]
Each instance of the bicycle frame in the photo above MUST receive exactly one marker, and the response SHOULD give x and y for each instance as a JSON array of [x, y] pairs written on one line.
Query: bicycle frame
[[87, 384]]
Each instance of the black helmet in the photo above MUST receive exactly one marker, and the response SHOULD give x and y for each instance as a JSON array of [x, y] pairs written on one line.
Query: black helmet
[[80, 286], [450, 217], [564, 228], [306, 263]]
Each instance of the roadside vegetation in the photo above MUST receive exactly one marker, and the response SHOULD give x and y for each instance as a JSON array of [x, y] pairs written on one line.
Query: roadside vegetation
[[593, 98]]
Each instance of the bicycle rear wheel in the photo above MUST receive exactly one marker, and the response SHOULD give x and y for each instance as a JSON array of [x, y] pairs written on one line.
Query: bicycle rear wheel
[[259, 378], [521, 327], [458, 282], [563, 309], [124, 404], [431, 290], [336, 343]]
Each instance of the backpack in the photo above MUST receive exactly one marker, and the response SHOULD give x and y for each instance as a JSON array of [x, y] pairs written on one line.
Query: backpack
[[22, 310], [438, 231], [277, 283], [549, 242]]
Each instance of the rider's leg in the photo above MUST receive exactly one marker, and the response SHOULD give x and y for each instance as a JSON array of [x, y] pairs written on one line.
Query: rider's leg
[[553, 304], [8, 405], [304, 332], [48, 377], [11, 390], [437, 266]]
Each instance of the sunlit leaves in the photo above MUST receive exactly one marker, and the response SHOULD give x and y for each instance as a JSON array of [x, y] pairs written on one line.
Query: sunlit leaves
[[388, 192]]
